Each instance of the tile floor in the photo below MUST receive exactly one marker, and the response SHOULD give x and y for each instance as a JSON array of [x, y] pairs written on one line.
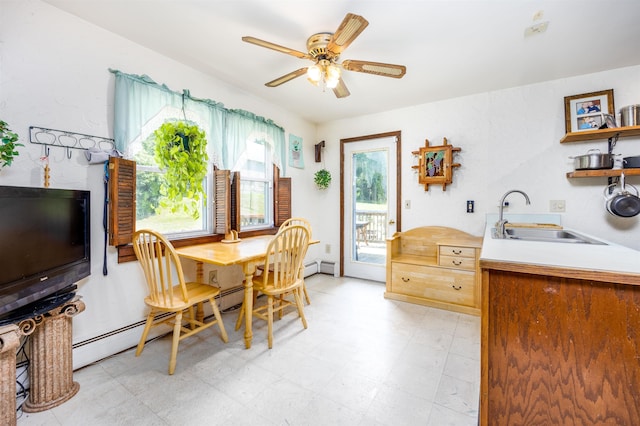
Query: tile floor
[[364, 360]]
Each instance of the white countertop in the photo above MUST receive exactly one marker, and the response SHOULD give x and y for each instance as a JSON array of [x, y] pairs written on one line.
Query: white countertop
[[591, 257]]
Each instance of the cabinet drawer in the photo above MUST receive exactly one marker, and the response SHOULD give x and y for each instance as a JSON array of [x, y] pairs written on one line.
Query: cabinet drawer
[[457, 251], [458, 262], [442, 284]]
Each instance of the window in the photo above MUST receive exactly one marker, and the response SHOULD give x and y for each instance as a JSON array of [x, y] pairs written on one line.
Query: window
[[236, 139], [256, 186]]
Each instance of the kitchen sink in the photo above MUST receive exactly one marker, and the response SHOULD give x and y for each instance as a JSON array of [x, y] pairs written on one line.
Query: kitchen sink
[[546, 235]]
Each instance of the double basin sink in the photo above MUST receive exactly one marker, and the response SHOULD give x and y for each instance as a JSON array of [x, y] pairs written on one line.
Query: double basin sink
[[545, 235]]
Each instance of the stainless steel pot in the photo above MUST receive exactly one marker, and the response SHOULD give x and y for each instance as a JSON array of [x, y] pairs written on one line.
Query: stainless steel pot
[[622, 203], [593, 160], [630, 115]]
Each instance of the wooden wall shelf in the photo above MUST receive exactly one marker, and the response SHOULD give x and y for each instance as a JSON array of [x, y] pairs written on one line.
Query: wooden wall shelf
[[593, 135], [603, 173]]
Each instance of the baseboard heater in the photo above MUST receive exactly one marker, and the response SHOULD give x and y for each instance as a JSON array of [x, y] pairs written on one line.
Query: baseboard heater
[[327, 267]]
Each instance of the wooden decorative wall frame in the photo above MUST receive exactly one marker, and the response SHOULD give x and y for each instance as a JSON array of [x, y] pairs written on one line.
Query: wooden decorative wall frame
[[435, 164]]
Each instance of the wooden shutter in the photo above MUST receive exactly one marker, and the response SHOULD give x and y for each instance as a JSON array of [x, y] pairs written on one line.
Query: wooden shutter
[[227, 201], [222, 202], [235, 201], [122, 201], [282, 193]]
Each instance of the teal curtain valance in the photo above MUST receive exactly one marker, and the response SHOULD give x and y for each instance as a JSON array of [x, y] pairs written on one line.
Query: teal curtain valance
[[141, 105]]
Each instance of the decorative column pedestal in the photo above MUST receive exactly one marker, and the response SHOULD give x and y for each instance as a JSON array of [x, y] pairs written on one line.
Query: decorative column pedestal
[[9, 342], [50, 347]]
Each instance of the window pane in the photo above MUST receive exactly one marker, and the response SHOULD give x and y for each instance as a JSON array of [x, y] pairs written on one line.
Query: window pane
[[149, 213], [254, 196], [255, 166]]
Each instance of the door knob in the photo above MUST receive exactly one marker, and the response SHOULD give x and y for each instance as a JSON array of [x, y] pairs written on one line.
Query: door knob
[[391, 222]]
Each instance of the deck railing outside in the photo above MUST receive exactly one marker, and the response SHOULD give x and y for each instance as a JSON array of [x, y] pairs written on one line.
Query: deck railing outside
[[375, 229]]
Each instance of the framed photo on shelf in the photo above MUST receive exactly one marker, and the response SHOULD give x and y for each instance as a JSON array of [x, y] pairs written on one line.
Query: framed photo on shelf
[[587, 111]]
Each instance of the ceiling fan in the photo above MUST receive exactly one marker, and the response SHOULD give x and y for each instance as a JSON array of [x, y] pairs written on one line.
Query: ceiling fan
[[324, 50]]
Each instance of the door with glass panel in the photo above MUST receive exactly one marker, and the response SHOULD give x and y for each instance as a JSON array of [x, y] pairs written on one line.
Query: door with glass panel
[[370, 194]]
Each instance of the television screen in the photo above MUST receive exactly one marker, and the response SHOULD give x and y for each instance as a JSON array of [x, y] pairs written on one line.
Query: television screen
[[44, 244]]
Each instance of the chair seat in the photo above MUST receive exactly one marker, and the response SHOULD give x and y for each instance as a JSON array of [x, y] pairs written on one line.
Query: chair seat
[[269, 289], [196, 293]]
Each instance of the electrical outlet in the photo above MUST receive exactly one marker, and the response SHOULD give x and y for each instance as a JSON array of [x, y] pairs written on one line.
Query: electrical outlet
[[213, 277], [327, 248], [557, 205], [407, 204]]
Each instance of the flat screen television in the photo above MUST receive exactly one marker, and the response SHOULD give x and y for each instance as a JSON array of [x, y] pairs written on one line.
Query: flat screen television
[[44, 247]]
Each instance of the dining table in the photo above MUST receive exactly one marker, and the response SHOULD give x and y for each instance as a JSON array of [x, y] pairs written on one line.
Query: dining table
[[248, 252]]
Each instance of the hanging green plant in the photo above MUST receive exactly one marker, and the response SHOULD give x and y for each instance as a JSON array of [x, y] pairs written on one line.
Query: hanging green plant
[[322, 178], [8, 145], [181, 150]]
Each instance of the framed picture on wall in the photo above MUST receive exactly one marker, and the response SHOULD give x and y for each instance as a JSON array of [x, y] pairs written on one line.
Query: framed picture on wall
[[435, 164], [586, 111]]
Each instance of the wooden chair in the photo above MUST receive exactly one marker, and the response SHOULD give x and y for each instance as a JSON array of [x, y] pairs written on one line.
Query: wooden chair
[[281, 276], [304, 222], [169, 293]]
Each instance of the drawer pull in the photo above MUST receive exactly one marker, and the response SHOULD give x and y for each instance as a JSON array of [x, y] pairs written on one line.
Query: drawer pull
[[456, 287], [457, 262], [406, 280], [456, 251]]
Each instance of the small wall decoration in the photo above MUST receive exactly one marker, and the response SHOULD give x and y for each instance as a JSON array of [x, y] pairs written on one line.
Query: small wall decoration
[[295, 152], [587, 111], [435, 164], [319, 147]]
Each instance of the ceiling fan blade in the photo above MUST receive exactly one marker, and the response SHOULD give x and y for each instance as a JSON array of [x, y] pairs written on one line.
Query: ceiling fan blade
[[287, 77], [350, 28], [341, 90], [276, 47], [377, 68]]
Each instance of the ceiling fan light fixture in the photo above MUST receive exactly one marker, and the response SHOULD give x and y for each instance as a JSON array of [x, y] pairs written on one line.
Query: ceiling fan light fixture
[[332, 83], [332, 76], [333, 72], [314, 73]]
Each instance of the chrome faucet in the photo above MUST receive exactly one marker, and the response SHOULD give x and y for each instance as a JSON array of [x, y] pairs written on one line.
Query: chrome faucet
[[500, 224]]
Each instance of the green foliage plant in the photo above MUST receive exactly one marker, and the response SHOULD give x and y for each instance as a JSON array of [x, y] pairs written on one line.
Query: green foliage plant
[[8, 145], [322, 178], [181, 150]]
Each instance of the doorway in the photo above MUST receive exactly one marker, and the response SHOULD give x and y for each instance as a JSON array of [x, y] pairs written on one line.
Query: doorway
[[369, 203]]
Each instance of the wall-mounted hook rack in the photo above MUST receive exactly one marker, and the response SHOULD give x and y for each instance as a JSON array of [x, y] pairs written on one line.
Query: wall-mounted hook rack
[[68, 140]]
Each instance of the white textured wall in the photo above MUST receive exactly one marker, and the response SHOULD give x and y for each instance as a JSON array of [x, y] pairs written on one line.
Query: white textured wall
[[54, 73]]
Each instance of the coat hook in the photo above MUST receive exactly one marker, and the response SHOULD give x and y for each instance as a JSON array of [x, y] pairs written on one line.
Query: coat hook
[[69, 153]]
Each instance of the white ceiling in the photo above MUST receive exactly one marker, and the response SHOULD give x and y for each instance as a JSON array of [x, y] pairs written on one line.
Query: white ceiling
[[451, 48]]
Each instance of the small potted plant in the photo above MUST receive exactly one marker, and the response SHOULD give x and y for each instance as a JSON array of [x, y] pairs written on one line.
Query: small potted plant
[[322, 178], [181, 150], [8, 145]]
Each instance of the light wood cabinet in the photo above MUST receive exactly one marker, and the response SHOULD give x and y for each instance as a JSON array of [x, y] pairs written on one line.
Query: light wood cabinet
[[435, 266]]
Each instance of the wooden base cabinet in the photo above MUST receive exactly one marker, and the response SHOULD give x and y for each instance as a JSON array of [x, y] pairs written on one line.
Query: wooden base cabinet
[[559, 347], [435, 266]]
